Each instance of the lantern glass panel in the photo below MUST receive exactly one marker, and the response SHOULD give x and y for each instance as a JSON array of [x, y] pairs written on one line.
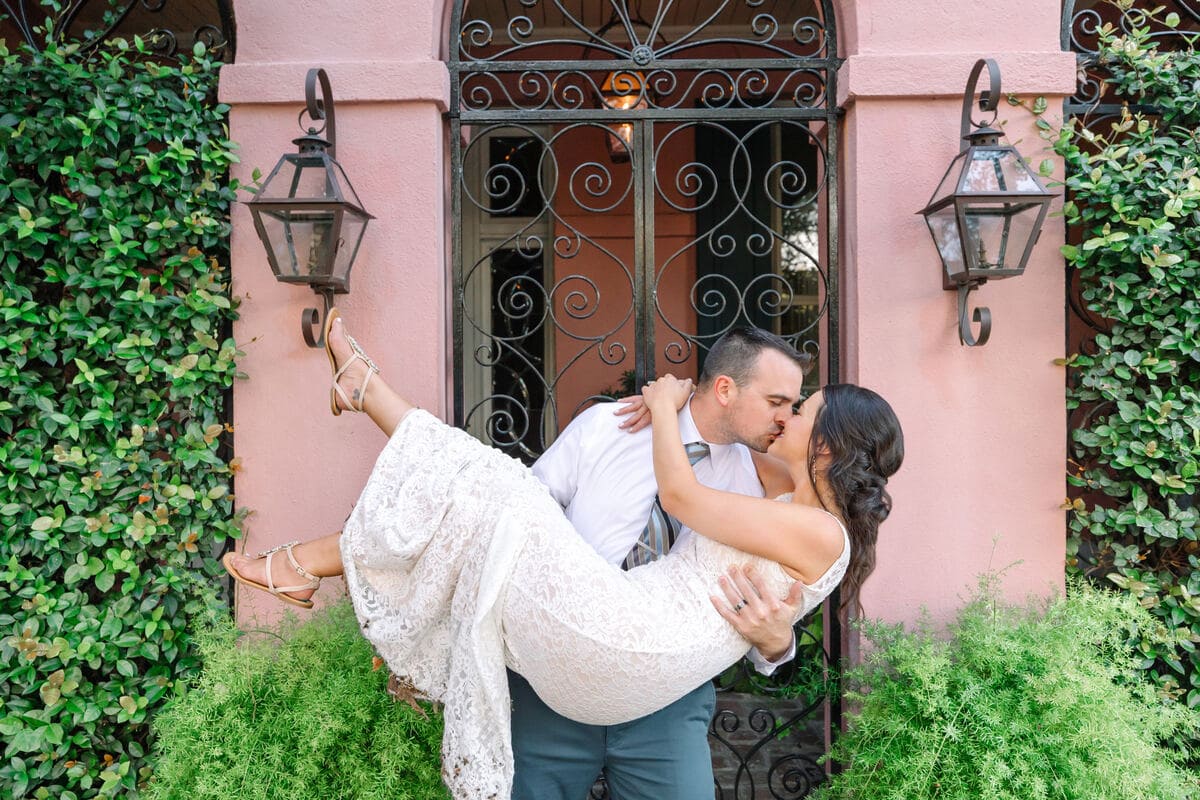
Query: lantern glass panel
[[354, 225], [301, 241], [997, 169], [949, 180], [302, 177], [943, 224], [348, 193], [998, 234]]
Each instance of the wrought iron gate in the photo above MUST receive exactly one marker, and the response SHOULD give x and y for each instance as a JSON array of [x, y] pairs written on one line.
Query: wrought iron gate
[[629, 181]]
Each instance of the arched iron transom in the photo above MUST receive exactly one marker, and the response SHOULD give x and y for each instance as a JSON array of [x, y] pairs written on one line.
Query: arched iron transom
[[630, 181]]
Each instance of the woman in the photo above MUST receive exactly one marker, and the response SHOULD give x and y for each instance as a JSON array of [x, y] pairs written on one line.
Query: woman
[[460, 563]]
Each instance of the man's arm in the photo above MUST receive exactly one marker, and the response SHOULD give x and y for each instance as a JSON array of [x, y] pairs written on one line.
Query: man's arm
[[558, 467], [762, 619]]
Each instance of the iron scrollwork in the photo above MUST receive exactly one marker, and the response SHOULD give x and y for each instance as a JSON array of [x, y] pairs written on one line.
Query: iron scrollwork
[[740, 207], [166, 27]]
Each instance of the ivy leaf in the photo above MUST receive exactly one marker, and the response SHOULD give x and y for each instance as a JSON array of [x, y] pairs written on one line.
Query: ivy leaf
[[105, 581], [26, 740], [1128, 411]]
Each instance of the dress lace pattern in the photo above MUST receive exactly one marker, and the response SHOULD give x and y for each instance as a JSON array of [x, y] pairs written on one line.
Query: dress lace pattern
[[460, 563]]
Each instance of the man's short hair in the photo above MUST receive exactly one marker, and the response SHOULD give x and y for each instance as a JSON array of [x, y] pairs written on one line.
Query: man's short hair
[[736, 353]]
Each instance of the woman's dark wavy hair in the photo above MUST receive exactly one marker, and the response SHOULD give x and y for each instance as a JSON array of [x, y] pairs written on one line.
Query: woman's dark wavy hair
[[866, 446]]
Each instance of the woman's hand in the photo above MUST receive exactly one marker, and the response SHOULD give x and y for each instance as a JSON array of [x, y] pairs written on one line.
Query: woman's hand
[[637, 415], [667, 394]]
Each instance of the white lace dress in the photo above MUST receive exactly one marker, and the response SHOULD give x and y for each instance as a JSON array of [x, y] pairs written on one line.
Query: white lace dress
[[460, 563]]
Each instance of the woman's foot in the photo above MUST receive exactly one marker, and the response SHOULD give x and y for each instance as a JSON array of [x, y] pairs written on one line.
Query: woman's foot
[[284, 578], [352, 368]]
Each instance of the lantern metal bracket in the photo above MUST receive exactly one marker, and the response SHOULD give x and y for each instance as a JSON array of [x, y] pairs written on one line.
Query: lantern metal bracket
[[981, 315], [320, 108], [988, 99], [312, 319]]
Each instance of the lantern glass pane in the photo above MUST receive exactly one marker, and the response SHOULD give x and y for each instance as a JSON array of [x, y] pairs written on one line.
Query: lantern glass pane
[[943, 224], [997, 234], [301, 241], [302, 178], [353, 226], [949, 180], [997, 169], [348, 193], [279, 244]]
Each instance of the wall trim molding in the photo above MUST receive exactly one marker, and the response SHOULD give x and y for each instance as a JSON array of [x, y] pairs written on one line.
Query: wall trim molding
[[945, 74], [352, 81]]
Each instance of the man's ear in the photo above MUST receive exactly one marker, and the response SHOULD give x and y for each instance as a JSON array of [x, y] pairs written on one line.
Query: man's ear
[[724, 390]]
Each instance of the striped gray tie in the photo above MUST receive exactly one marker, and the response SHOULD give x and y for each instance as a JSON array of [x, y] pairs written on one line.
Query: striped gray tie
[[660, 531]]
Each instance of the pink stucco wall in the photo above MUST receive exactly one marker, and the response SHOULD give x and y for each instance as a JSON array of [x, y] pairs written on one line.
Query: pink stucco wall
[[302, 467], [984, 426]]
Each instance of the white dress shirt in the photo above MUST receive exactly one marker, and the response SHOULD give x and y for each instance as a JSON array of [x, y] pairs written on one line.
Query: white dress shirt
[[603, 477]]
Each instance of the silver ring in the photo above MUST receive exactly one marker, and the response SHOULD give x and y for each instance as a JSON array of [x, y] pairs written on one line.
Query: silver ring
[[740, 605]]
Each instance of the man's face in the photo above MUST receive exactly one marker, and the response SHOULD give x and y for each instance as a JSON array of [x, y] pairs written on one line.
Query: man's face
[[757, 411]]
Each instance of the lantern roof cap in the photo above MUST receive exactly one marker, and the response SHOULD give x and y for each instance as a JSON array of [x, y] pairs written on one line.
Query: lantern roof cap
[[312, 142]]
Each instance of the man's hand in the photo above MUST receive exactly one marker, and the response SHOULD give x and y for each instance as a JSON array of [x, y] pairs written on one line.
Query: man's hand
[[762, 619]]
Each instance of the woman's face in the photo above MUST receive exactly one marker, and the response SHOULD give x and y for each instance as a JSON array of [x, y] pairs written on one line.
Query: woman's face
[[792, 445]]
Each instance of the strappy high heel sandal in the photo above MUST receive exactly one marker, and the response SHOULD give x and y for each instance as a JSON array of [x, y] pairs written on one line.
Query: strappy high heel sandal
[[281, 592], [358, 355]]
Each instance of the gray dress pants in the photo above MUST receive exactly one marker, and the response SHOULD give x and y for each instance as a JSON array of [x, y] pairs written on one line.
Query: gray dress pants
[[661, 756]]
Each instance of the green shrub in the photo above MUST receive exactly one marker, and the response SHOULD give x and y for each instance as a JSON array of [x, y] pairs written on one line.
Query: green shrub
[[115, 494], [303, 714], [1013, 703]]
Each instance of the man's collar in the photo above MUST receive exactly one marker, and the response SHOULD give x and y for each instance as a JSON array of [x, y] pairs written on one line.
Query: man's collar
[[688, 431]]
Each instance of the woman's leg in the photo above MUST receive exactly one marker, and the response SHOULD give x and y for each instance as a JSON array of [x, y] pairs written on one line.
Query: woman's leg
[[323, 557], [378, 399], [320, 557]]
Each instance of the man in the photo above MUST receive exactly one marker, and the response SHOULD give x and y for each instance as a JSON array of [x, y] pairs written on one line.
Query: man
[[604, 478]]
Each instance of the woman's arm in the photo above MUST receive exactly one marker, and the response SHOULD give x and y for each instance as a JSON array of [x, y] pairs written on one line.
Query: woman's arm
[[804, 540], [772, 474]]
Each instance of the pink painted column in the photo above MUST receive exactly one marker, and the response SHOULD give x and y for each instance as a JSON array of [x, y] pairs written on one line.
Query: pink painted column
[[302, 468], [984, 427]]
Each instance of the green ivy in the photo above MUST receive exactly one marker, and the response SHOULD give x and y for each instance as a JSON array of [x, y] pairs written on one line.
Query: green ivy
[[114, 364], [1134, 200]]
